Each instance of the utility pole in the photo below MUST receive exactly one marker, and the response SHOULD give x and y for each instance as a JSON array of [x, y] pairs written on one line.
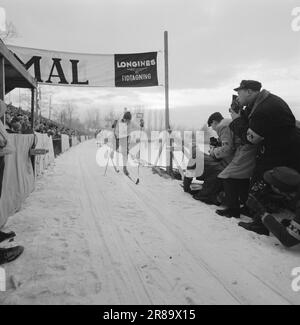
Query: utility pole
[[167, 117]]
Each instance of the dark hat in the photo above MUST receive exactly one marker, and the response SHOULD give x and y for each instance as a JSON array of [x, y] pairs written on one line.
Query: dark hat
[[127, 116], [249, 84], [283, 178]]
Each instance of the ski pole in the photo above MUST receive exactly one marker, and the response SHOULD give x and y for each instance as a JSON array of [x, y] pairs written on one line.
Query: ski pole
[[107, 163], [115, 168]]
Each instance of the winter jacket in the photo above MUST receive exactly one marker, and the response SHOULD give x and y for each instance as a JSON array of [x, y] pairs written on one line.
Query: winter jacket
[[243, 162], [219, 157], [226, 151], [272, 119]]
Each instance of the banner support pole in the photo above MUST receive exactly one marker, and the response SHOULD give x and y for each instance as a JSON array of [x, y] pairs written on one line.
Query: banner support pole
[[167, 115]]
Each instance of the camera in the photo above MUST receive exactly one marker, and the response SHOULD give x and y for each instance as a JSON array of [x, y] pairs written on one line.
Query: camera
[[214, 142], [235, 105]]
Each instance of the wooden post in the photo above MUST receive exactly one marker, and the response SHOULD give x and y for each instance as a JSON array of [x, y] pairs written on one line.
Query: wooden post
[[167, 117], [2, 83], [32, 108], [37, 105]]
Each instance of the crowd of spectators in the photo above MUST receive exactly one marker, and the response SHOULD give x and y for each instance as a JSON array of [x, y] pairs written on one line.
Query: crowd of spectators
[[19, 121], [253, 167]]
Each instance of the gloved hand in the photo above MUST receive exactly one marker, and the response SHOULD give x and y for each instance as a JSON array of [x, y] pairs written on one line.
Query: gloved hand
[[141, 123]]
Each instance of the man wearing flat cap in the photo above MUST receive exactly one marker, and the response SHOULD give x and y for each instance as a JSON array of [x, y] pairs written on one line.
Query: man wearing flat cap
[[272, 126]]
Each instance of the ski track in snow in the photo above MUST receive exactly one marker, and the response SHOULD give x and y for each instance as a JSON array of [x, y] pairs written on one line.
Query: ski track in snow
[[95, 239]]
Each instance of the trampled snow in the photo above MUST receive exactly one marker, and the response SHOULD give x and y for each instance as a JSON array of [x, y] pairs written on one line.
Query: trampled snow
[[95, 239]]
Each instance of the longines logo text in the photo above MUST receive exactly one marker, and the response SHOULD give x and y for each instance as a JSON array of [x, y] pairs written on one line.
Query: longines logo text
[[136, 64]]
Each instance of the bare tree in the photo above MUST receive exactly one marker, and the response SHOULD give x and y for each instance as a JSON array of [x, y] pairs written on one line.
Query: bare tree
[[70, 113], [93, 119], [62, 117], [109, 118]]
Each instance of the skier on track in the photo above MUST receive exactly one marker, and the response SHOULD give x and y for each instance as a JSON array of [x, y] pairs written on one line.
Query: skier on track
[[122, 130]]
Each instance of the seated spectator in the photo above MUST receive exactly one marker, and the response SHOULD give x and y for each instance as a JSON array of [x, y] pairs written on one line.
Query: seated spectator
[[26, 126], [15, 126], [219, 157], [236, 176]]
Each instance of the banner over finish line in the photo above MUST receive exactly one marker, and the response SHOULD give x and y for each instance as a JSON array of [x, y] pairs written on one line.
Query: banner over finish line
[[91, 70]]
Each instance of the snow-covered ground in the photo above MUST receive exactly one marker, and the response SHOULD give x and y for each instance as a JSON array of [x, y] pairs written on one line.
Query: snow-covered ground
[[98, 239]]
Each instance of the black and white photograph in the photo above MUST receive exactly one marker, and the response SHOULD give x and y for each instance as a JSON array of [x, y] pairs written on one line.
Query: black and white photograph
[[150, 155]]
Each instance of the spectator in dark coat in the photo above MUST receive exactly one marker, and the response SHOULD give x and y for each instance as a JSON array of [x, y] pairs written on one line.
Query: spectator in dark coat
[[272, 126]]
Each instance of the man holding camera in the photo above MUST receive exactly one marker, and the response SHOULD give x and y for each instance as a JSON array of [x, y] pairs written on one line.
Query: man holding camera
[[220, 154]]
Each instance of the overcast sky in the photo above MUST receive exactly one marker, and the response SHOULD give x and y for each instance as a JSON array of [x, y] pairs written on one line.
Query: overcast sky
[[213, 45]]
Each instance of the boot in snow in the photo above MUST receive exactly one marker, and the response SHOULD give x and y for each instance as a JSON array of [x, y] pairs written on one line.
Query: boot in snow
[[255, 226], [6, 235], [229, 213], [125, 171], [10, 254]]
